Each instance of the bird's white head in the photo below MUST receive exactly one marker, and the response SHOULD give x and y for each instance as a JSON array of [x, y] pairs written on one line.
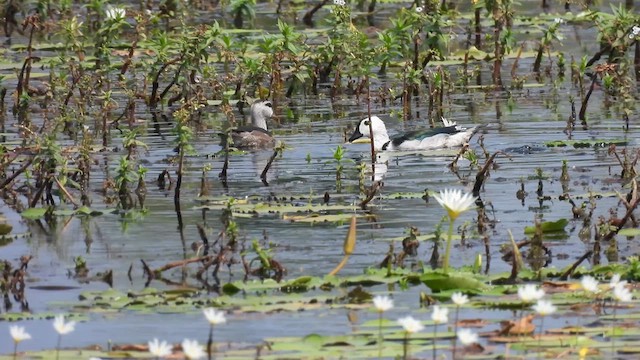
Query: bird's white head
[[364, 128]]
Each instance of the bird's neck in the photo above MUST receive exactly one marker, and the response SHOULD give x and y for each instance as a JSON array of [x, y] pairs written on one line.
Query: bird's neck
[[259, 121], [379, 139]]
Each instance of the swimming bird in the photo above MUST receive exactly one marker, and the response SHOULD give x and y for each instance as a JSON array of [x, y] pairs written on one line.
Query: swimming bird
[[451, 135], [256, 135]]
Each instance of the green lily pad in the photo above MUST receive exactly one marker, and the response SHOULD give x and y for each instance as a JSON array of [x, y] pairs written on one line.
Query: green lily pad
[[548, 227], [440, 281], [34, 213]]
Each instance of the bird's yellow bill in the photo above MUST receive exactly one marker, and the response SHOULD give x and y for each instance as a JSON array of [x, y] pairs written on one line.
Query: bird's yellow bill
[[362, 140]]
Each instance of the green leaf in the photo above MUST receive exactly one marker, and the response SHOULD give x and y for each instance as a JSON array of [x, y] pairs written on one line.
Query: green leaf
[[629, 232], [548, 227], [34, 213], [439, 281]]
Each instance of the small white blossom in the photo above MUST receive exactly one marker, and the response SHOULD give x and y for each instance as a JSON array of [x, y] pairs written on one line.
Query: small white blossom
[[419, 9], [214, 317], [18, 333], [440, 315], [61, 327], [192, 350], [530, 293], [467, 337], [544, 307], [115, 13], [558, 20], [339, 2], [589, 284], [410, 325], [635, 30], [382, 303], [621, 293], [159, 349], [459, 298]]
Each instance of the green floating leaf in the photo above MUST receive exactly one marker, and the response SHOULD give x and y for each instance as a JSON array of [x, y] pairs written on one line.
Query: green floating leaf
[[548, 227], [439, 281], [34, 213], [629, 232]]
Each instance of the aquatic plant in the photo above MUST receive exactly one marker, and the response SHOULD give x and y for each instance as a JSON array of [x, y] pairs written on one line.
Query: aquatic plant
[[439, 315], [381, 304], [159, 349], [543, 308], [18, 334], [214, 318], [62, 328], [459, 299], [192, 350], [410, 326], [455, 203]]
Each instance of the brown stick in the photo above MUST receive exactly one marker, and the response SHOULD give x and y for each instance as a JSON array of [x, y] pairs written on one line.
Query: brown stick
[[180, 263], [483, 172]]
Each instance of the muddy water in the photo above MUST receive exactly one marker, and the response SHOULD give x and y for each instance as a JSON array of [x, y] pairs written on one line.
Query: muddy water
[[108, 242]]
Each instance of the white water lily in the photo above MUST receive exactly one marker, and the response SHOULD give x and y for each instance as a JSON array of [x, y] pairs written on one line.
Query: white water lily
[[467, 337], [544, 307], [454, 202], [530, 293], [410, 325], [459, 299], [616, 280], [159, 349], [440, 315], [192, 350], [621, 293], [62, 327], [115, 13], [590, 284], [382, 303], [18, 333], [214, 317]]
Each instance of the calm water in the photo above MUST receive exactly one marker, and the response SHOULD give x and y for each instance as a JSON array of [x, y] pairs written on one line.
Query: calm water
[[110, 242]]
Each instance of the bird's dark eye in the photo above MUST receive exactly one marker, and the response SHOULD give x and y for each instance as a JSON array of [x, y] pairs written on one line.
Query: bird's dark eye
[[367, 122], [268, 103]]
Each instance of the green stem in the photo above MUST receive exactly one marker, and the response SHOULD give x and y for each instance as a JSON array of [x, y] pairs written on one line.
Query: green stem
[[455, 334], [447, 252], [210, 342], [613, 330], [435, 332], [540, 338], [405, 349], [15, 350], [58, 347], [380, 339]]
